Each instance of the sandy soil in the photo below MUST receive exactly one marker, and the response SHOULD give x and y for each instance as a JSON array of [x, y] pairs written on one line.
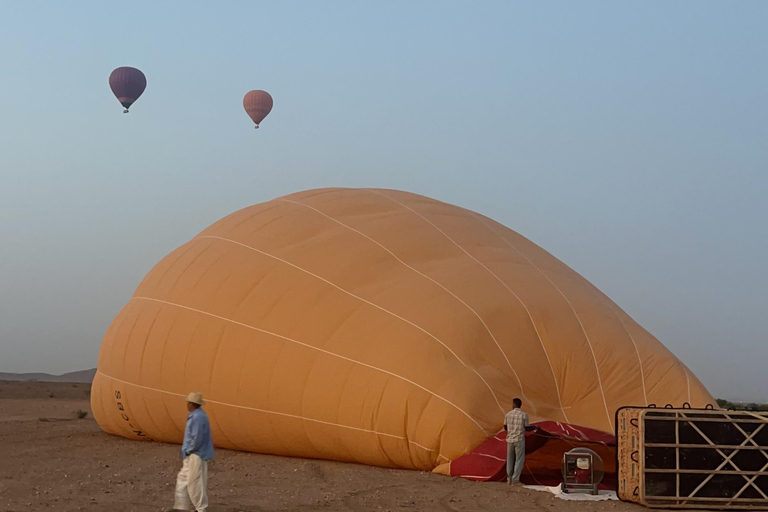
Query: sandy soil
[[54, 461]]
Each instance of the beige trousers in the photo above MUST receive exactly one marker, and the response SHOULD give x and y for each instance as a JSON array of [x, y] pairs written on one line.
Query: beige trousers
[[191, 485]]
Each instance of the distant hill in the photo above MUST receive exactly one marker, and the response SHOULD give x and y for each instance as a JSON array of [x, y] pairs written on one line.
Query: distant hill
[[85, 376]]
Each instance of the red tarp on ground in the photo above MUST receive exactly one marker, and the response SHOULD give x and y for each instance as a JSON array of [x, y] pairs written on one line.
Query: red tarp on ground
[[544, 451]]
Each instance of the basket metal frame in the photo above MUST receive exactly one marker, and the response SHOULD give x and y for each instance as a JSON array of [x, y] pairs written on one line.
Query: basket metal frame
[[693, 418]]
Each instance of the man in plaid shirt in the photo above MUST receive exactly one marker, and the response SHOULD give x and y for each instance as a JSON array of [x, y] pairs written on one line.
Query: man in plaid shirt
[[516, 423]]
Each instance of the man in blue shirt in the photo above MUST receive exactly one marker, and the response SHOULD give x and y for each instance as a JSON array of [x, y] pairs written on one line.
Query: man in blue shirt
[[196, 451]]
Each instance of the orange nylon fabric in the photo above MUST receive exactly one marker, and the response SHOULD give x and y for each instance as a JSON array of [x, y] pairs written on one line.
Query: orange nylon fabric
[[372, 326]]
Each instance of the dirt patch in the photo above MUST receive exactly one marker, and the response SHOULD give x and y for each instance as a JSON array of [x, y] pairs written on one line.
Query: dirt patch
[[31, 389], [67, 464]]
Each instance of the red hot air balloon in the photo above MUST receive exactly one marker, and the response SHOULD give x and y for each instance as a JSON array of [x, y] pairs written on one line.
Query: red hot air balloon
[[127, 84], [257, 104]]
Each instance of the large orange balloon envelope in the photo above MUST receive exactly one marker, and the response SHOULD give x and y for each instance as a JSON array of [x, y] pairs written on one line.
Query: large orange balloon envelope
[[379, 327], [127, 85], [257, 104]]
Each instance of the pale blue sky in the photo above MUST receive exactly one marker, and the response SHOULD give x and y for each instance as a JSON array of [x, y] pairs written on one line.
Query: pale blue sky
[[630, 139]]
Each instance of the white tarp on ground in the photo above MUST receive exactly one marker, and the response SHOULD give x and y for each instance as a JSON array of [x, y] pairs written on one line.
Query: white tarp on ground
[[577, 496]]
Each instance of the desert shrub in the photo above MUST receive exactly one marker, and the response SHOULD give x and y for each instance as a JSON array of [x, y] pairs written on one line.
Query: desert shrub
[[727, 404]]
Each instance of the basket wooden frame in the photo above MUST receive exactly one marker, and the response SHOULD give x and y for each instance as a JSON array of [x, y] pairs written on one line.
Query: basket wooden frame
[[633, 452], [627, 450]]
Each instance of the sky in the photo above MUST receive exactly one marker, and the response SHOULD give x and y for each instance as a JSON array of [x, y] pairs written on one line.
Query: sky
[[629, 139]]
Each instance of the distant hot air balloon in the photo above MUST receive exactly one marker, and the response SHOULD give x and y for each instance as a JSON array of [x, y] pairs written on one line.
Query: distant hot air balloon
[[257, 104], [127, 84]]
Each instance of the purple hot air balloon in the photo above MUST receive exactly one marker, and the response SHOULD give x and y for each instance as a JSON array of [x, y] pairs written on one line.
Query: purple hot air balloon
[[127, 84], [257, 104]]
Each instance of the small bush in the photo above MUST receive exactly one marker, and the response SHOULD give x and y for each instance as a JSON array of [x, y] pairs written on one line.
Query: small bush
[[81, 414], [726, 404]]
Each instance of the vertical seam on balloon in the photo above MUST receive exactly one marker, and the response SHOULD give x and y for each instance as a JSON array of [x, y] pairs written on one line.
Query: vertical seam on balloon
[[189, 264], [275, 218], [603, 298], [114, 327], [184, 366], [687, 380], [250, 216], [210, 386], [141, 364], [162, 359], [520, 384], [128, 338], [210, 266], [146, 341], [243, 361], [632, 339], [417, 425], [365, 301], [530, 317], [307, 431], [265, 411], [384, 453], [328, 352], [187, 247], [278, 435], [573, 310], [343, 387]]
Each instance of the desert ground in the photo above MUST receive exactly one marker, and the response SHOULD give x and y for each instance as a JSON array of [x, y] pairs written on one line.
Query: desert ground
[[55, 461]]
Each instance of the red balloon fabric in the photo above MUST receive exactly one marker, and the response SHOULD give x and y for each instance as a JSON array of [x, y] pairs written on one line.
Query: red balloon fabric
[[127, 85], [257, 104], [544, 451]]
